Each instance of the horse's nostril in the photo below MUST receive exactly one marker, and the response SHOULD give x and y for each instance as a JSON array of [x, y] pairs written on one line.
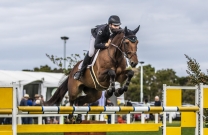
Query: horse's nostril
[[133, 64]]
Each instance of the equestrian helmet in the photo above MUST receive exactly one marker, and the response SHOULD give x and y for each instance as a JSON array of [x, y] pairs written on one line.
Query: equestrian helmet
[[114, 19]]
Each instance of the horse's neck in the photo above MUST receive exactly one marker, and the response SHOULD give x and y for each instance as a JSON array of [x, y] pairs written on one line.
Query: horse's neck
[[116, 54]]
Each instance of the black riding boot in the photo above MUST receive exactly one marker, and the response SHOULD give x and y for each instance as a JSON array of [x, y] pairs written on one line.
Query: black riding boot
[[85, 63]]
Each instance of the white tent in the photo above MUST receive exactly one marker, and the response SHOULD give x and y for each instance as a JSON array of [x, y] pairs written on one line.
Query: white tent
[[22, 78]]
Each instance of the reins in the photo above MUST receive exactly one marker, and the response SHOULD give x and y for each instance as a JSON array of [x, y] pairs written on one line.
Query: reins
[[125, 53]]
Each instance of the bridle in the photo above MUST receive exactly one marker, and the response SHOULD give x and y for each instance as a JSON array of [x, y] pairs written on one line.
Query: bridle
[[131, 38]]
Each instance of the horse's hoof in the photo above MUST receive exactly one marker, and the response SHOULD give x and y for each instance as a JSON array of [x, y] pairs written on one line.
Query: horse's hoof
[[118, 92], [79, 121], [67, 121], [125, 88]]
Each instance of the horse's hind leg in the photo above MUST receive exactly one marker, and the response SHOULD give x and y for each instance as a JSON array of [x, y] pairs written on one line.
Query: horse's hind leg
[[124, 88], [92, 95], [111, 89]]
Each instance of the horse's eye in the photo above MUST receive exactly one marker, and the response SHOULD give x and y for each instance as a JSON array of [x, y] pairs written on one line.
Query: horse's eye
[[126, 43]]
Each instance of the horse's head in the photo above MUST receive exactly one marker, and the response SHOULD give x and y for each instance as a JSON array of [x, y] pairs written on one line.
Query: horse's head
[[130, 46]]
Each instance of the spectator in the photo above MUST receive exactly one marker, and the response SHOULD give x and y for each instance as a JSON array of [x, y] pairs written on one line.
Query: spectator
[[129, 103], [146, 104], [29, 103], [109, 103], [36, 98], [96, 103], [41, 100], [37, 103], [53, 120], [66, 101], [102, 103], [120, 119], [23, 102], [157, 103]]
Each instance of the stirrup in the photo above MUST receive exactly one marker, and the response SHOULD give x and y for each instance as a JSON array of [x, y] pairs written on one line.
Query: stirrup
[[77, 75]]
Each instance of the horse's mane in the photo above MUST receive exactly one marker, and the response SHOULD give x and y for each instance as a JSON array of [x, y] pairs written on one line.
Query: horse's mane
[[116, 34]]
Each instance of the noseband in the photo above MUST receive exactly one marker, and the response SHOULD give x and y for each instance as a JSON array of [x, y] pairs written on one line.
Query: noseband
[[131, 38]]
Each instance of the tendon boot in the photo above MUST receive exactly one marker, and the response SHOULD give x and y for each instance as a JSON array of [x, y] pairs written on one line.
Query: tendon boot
[[85, 63]]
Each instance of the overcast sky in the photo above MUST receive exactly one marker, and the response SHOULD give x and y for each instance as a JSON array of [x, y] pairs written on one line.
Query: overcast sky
[[169, 29]]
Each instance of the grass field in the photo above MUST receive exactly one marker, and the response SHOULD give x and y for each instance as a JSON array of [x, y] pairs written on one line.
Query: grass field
[[185, 131]]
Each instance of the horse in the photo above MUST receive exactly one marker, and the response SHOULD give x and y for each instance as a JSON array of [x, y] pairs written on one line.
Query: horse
[[109, 67]]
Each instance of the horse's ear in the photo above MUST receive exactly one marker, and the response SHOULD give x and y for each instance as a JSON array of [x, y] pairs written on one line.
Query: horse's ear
[[126, 30], [136, 30]]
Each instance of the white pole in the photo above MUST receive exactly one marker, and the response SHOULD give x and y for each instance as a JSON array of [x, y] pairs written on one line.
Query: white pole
[[97, 117], [156, 117], [164, 113], [201, 112], [14, 112], [61, 119], [170, 117], [141, 83], [40, 120], [65, 38], [128, 117], [64, 54], [112, 118], [197, 103], [142, 118], [19, 120], [102, 117], [88, 117]]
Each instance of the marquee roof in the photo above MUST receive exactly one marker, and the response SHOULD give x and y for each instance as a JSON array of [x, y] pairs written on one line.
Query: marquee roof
[[26, 77]]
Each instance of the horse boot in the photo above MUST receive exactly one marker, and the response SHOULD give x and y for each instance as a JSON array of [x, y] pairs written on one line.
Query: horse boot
[[79, 119], [85, 63]]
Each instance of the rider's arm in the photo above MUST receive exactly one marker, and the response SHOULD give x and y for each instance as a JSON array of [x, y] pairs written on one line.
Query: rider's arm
[[99, 43]]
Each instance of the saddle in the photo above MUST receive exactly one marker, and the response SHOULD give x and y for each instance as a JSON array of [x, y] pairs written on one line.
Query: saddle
[[98, 86]]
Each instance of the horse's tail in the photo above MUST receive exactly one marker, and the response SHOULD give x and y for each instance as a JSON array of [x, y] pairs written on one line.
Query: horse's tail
[[58, 95]]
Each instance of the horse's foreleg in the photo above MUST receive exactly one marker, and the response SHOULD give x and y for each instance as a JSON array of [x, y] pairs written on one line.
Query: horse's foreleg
[[111, 89], [124, 88]]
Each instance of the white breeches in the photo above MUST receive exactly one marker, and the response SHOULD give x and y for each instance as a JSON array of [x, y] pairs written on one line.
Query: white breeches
[[92, 46], [91, 50]]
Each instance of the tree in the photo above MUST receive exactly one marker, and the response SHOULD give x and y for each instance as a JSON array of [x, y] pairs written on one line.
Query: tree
[[196, 76], [152, 82], [148, 83], [72, 60], [44, 68]]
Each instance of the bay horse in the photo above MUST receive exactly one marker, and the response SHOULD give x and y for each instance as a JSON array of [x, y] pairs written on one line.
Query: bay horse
[[110, 66]]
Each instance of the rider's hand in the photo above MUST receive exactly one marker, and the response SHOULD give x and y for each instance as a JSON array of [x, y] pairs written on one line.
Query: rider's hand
[[109, 41], [106, 44]]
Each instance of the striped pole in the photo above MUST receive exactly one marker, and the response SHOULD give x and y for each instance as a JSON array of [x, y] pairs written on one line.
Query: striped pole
[[102, 110]]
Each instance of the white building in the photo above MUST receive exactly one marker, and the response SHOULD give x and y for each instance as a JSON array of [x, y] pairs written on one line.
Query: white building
[[42, 83]]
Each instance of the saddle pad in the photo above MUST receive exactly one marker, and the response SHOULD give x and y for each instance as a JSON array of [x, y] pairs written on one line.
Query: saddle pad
[[93, 62]]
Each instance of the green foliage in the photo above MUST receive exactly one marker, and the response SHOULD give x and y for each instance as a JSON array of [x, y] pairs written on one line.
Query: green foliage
[[71, 61], [152, 82], [44, 68], [194, 72]]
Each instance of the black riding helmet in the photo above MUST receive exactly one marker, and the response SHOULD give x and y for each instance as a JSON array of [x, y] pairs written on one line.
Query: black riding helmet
[[114, 19]]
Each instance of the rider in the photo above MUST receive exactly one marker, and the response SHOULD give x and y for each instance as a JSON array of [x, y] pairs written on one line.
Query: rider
[[100, 39]]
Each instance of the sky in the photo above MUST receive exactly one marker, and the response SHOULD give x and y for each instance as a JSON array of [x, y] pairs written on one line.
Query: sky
[[168, 30]]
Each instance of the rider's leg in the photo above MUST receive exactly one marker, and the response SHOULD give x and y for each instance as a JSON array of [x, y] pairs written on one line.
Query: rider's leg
[[86, 60], [92, 46]]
